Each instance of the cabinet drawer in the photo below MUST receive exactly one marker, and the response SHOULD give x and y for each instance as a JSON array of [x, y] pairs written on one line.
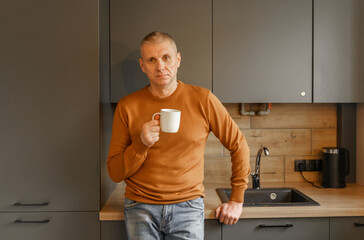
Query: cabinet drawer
[[50, 226], [347, 228], [307, 228]]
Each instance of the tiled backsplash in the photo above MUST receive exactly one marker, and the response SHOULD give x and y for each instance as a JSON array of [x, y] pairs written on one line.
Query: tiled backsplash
[[290, 131]]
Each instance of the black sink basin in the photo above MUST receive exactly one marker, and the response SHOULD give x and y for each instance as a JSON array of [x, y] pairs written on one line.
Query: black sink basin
[[270, 197]]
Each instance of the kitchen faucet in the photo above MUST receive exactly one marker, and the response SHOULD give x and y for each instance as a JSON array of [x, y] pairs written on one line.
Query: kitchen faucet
[[256, 174]]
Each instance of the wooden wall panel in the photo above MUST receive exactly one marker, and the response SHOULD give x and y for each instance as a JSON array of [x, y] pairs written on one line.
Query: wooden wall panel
[[234, 110], [271, 169], [280, 142], [218, 170], [323, 138], [291, 115], [290, 131], [213, 146], [292, 176]]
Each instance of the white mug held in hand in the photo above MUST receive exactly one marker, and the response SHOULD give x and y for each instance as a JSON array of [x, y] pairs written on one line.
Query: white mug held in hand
[[169, 120]]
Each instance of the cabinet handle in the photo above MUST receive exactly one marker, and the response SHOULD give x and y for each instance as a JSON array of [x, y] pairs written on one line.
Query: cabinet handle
[[359, 224], [30, 204], [21, 221], [276, 226]]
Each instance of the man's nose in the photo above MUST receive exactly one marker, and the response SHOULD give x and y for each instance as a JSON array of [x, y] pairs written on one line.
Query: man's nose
[[160, 64]]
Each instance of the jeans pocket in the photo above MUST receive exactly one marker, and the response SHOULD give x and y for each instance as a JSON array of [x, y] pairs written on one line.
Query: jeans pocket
[[128, 203], [196, 203]]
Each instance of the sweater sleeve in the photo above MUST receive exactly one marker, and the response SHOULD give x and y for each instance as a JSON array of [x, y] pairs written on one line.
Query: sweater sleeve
[[224, 128], [125, 155]]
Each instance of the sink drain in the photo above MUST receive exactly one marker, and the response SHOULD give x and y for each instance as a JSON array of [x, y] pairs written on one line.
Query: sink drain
[[273, 196]]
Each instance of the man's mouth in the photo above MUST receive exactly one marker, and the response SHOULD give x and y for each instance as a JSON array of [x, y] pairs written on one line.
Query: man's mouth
[[162, 75]]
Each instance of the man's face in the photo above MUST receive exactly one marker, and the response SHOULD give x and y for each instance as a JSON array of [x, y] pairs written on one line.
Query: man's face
[[160, 62]]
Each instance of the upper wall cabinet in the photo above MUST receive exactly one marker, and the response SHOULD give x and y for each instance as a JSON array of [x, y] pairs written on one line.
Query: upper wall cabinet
[[262, 50], [188, 21], [338, 51]]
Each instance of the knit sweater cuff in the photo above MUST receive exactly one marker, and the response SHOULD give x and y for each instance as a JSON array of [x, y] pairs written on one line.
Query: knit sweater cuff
[[237, 195], [139, 147]]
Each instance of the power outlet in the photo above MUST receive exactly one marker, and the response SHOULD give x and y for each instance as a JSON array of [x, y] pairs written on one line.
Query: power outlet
[[308, 165]]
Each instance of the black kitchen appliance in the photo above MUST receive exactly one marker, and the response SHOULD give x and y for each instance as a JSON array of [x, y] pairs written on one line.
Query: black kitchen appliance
[[335, 166]]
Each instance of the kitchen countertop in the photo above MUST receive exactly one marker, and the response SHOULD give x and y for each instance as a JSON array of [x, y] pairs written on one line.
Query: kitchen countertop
[[334, 202]]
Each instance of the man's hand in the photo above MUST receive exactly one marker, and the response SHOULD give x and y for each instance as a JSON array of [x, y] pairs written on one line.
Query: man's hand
[[229, 212], [150, 132]]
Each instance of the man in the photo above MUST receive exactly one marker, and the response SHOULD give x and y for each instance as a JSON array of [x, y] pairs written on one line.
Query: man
[[164, 171]]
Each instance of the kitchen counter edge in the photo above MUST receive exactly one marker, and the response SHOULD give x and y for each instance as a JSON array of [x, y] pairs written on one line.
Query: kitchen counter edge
[[334, 202]]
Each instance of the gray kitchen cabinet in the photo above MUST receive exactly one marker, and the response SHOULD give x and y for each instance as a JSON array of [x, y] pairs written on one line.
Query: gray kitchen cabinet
[[338, 63], [212, 229], [49, 101], [50, 226], [115, 230], [262, 50], [298, 229], [347, 228], [190, 24]]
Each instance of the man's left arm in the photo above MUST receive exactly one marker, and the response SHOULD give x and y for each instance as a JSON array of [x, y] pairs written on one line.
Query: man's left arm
[[224, 128]]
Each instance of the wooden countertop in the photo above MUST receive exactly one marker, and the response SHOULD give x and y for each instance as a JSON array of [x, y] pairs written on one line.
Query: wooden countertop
[[347, 201]]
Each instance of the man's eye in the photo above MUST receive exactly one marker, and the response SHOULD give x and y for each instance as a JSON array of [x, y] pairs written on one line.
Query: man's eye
[[151, 60], [165, 58]]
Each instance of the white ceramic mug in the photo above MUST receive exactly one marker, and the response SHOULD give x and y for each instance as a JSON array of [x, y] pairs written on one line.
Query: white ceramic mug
[[169, 120]]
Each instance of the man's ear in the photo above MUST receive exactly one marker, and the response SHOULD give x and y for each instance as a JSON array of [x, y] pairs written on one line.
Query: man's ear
[[141, 64], [179, 58]]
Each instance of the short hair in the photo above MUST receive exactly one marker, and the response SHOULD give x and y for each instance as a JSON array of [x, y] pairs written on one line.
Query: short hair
[[157, 36]]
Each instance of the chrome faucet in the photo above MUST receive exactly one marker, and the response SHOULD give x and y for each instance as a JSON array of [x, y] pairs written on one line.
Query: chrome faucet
[[256, 174]]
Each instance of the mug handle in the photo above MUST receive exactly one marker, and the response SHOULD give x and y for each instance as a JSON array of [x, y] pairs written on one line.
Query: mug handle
[[155, 114]]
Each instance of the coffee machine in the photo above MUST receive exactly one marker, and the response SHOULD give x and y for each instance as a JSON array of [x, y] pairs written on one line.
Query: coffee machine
[[335, 167]]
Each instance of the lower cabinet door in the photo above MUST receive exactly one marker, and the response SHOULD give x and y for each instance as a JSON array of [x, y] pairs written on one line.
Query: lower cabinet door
[[113, 230], [297, 229], [50, 226], [347, 228], [212, 229]]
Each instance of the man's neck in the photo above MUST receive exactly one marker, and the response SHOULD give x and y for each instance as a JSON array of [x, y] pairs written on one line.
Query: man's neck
[[163, 92]]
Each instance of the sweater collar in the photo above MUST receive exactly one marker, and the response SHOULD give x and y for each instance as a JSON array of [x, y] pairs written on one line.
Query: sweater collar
[[172, 96]]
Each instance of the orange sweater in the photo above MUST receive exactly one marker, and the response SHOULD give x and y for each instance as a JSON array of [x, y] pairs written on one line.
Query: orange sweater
[[172, 170]]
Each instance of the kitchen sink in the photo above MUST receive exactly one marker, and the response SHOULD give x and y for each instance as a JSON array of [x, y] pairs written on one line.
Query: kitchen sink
[[270, 197]]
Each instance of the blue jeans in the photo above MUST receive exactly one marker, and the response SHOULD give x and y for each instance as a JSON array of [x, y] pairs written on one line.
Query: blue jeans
[[183, 220]]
